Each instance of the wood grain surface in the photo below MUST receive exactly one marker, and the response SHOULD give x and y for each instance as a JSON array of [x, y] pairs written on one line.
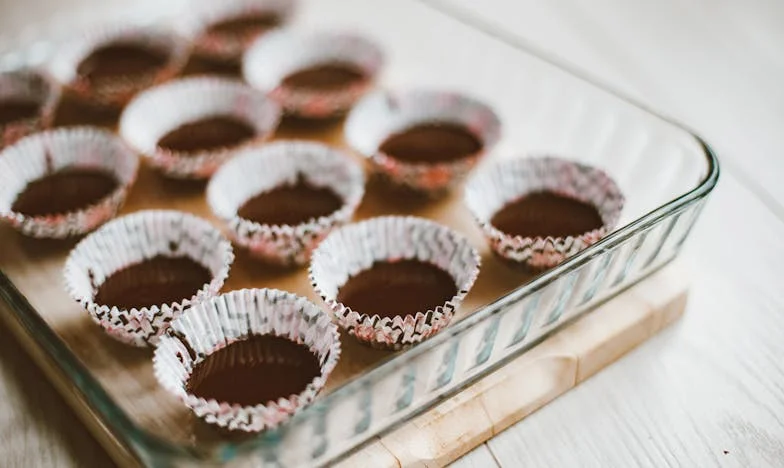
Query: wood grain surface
[[708, 392]]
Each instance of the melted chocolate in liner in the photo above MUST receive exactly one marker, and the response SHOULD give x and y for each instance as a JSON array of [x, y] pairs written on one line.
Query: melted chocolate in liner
[[64, 191], [432, 143], [157, 281], [398, 288], [255, 371], [325, 77], [118, 60], [547, 214], [210, 133], [14, 109], [245, 26], [291, 204]]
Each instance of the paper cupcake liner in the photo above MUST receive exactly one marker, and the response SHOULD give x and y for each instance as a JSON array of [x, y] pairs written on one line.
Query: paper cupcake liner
[[203, 14], [277, 54], [378, 116], [116, 93], [43, 153], [164, 108], [36, 87], [499, 184], [356, 247], [133, 239], [232, 317], [273, 165]]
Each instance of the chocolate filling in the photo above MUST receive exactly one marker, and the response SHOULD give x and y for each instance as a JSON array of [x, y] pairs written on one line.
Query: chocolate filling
[[432, 143], [398, 288], [64, 191], [121, 60], [157, 281], [207, 134], [245, 25], [258, 370], [291, 204], [547, 214], [325, 77], [15, 109]]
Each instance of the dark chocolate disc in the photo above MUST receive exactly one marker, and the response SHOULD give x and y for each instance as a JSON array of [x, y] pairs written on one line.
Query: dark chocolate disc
[[547, 214], [257, 370], [121, 60], [432, 143], [64, 191], [324, 77], [157, 281], [207, 134], [398, 288], [15, 109], [291, 204], [248, 25]]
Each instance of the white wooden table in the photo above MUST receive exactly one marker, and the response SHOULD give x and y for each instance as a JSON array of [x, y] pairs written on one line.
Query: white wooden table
[[707, 392]]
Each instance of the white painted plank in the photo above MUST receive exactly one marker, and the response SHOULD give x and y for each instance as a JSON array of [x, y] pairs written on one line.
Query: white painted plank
[[480, 457]]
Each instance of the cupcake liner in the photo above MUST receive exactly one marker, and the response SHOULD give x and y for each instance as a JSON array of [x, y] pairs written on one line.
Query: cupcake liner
[[215, 324], [380, 115], [32, 85], [116, 93], [44, 153], [164, 108], [277, 54], [496, 185], [273, 165], [133, 239], [226, 48], [355, 248]]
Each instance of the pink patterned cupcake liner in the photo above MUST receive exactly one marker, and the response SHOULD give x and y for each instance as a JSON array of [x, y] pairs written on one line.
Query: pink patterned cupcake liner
[[33, 86], [498, 184], [356, 247], [159, 110], [276, 55], [277, 164], [117, 92], [130, 240], [213, 325], [45, 153], [203, 14], [381, 114]]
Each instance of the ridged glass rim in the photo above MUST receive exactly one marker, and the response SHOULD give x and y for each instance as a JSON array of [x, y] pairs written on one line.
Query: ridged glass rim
[[142, 444]]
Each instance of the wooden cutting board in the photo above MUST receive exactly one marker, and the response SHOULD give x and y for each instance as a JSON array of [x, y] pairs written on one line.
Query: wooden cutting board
[[528, 383]]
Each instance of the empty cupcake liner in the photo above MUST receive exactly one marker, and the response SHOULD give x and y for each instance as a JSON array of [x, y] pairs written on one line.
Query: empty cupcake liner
[[33, 86], [356, 247], [116, 93], [281, 163], [382, 114], [278, 54], [159, 110], [47, 152], [226, 319], [203, 14], [130, 240], [498, 184]]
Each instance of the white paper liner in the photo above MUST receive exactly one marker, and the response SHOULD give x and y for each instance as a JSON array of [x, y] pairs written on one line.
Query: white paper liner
[[133, 239], [202, 14], [43, 153], [232, 317], [498, 184], [356, 247], [34, 86], [281, 163], [278, 54], [381, 114], [159, 110], [116, 93]]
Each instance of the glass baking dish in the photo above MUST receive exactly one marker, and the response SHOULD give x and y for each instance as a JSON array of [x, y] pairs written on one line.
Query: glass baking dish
[[665, 171]]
